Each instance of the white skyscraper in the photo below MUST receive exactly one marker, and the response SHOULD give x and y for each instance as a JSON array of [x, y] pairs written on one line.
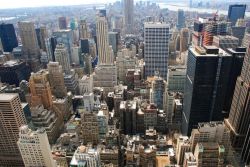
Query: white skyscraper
[[105, 57], [129, 15], [105, 75], [34, 147], [62, 56], [156, 39]]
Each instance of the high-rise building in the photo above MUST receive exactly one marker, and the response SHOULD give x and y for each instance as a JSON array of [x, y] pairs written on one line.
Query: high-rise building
[[102, 13], [104, 54], [204, 94], [197, 34], [125, 60], [62, 22], [8, 37], [66, 37], [11, 118], [40, 89], [129, 16], [212, 29], [211, 132], [157, 91], [113, 40], [238, 55], [183, 146], [83, 29], [14, 71], [89, 128], [236, 12], [41, 34], [85, 156], [225, 41], [150, 116], [180, 19], [184, 39], [209, 154], [127, 112], [245, 154], [29, 40], [51, 121], [102, 124], [156, 36], [190, 3], [71, 82], [84, 44], [105, 73], [246, 40], [34, 147], [51, 47], [239, 29], [56, 80], [62, 56], [176, 78], [189, 160], [238, 120]]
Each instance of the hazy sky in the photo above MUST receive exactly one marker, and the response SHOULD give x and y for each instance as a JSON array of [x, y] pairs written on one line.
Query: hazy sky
[[35, 3]]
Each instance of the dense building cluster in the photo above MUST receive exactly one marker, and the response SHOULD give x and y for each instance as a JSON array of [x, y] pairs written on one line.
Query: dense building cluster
[[138, 86]]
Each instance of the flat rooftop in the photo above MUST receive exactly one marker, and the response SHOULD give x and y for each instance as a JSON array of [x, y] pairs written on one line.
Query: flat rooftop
[[7, 96]]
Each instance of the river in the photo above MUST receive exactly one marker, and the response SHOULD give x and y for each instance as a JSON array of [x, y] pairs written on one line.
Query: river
[[176, 6]]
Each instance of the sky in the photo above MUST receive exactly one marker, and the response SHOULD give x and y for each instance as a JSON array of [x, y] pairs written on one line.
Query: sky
[[4, 4]]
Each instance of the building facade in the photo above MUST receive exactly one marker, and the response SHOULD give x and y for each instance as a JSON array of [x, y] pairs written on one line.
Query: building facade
[[34, 147], [11, 118], [156, 38]]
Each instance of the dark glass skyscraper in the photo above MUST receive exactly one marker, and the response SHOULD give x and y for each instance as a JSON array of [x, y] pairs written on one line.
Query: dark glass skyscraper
[[238, 55], [180, 19], [236, 12], [8, 37], [208, 71]]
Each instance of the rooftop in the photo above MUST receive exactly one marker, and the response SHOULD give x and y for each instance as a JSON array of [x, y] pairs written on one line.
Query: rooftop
[[4, 97]]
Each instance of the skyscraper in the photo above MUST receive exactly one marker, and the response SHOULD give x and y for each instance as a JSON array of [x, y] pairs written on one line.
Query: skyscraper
[[83, 29], [89, 128], [225, 42], [66, 37], [213, 28], [209, 154], [105, 73], [129, 16], [180, 19], [238, 55], [8, 37], [56, 80], [104, 54], [29, 40], [184, 39], [41, 34], [236, 12], [34, 147], [239, 116], [40, 89], [157, 91], [245, 155], [14, 71], [11, 118], [156, 36], [50, 47], [62, 56], [208, 71], [62, 22]]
